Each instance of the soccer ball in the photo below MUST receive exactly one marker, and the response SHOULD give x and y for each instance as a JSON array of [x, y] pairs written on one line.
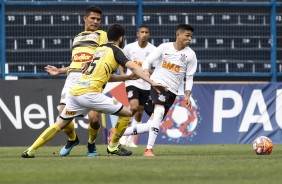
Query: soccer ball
[[262, 145]]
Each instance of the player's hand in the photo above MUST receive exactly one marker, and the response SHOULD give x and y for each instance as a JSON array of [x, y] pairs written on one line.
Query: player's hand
[[158, 87], [84, 67], [51, 70], [188, 102]]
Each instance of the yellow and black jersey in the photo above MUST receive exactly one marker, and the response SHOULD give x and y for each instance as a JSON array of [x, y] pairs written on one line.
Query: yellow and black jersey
[[107, 59], [84, 45]]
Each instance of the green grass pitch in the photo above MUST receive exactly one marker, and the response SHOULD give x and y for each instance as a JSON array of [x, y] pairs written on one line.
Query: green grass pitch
[[203, 164]]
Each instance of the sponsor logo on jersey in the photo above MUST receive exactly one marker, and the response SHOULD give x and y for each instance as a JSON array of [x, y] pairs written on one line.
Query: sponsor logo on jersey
[[139, 63], [183, 58], [82, 57], [70, 113], [171, 66]]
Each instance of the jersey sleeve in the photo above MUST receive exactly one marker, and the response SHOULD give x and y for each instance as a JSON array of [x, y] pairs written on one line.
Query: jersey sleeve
[[153, 56], [191, 70], [120, 57], [103, 38]]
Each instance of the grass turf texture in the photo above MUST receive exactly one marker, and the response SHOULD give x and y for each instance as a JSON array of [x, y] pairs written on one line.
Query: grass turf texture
[[204, 164]]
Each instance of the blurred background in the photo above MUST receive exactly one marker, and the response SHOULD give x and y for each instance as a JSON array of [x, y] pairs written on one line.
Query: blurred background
[[234, 39]]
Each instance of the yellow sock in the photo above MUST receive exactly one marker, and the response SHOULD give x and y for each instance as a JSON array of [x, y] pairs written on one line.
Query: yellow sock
[[92, 134], [48, 134], [70, 131], [120, 127]]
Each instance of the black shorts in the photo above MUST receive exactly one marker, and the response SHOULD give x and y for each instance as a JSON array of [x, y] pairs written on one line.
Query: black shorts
[[139, 94], [165, 98]]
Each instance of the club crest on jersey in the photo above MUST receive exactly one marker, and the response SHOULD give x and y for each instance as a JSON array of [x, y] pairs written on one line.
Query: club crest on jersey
[[130, 94], [183, 58], [161, 98], [82, 57]]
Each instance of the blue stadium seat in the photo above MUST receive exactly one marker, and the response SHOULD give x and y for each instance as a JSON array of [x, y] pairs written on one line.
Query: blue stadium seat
[[241, 66], [29, 43], [263, 67], [152, 19], [253, 19], [68, 19], [225, 19], [58, 43], [120, 19], [173, 19], [201, 19], [12, 19], [212, 66], [223, 43], [37, 19], [198, 43], [10, 43]]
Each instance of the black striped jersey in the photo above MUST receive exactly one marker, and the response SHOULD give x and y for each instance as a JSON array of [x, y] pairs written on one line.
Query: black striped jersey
[[84, 45], [107, 59]]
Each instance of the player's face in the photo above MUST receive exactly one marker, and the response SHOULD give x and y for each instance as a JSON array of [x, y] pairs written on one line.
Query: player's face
[[143, 34], [92, 21], [185, 37]]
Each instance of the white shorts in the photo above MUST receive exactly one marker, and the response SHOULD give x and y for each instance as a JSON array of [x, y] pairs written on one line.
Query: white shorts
[[81, 105], [69, 83]]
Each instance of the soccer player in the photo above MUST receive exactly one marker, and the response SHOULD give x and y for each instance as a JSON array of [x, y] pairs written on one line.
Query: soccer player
[[138, 91], [87, 93], [176, 61], [83, 48]]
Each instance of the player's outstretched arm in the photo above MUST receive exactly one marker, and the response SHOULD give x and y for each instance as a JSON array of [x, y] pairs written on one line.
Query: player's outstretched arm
[[52, 70], [117, 78]]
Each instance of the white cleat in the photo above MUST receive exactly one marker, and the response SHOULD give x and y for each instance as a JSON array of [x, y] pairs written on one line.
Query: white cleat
[[131, 145]]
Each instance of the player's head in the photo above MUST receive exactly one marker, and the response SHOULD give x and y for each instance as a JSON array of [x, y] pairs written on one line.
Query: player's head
[[184, 33], [116, 34], [92, 18], [143, 33]]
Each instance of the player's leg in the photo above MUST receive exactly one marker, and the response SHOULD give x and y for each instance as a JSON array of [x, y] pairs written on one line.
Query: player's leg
[[47, 135], [137, 119], [69, 130], [94, 129], [102, 103], [114, 147]]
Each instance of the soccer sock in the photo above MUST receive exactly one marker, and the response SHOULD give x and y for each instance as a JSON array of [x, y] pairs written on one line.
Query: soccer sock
[[120, 127], [92, 134], [70, 131], [155, 125], [130, 138], [138, 129], [48, 134]]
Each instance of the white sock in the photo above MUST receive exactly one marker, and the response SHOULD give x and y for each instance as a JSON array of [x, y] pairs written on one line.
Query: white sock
[[130, 138], [155, 126], [138, 129]]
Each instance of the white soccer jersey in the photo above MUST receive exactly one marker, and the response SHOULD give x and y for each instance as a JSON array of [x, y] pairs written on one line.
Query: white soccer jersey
[[138, 55], [172, 67]]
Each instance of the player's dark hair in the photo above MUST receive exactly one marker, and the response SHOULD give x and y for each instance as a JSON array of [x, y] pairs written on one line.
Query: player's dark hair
[[185, 27], [95, 9], [143, 26], [115, 31]]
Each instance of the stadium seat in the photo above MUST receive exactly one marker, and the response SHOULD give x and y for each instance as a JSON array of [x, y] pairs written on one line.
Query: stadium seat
[[223, 43], [225, 19], [10, 43], [12, 19], [250, 19], [37, 19], [211, 66], [202, 19], [29, 43], [124, 19], [238, 66], [263, 67], [58, 43], [69, 19], [152, 19]]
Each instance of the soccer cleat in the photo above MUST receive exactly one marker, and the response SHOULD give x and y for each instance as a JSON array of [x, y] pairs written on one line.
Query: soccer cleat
[[149, 153], [28, 154], [119, 150], [111, 134], [68, 147], [91, 150], [131, 145]]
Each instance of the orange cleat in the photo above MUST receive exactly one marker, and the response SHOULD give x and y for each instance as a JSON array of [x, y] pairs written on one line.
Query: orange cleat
[[149, 153]]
